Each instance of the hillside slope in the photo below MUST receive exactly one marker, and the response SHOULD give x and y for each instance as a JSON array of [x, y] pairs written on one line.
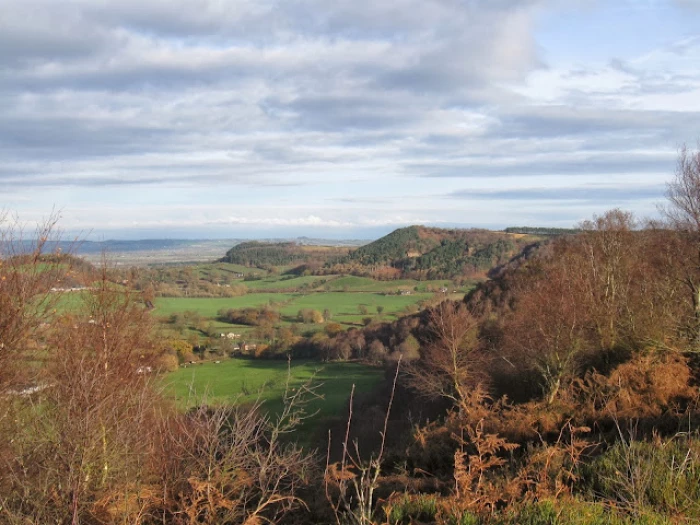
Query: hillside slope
[[265, 254], [442, 253]]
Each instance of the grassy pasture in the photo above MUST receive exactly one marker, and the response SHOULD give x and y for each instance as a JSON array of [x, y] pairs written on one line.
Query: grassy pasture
[[284, 282], [244, 381], [205, 269], [365, 284], [208, 307], [70, 301], [342, 305]]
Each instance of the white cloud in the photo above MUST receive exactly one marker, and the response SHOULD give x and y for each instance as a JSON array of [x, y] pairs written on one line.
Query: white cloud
[[308, 102]]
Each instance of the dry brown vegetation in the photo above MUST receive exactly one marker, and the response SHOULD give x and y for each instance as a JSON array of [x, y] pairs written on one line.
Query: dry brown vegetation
[[92, 440]]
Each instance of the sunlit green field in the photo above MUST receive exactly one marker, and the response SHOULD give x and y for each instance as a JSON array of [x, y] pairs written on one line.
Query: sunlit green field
[[70, 301], [244, 381], [285, 283], [208, 307], [206, 269], [365, 284], [344, 306]]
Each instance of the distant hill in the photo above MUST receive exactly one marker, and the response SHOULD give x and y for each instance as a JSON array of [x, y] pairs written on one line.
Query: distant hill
[[266, 254], [414, 252], [396, 245], [538, 230], [442, 253], [145, 252]]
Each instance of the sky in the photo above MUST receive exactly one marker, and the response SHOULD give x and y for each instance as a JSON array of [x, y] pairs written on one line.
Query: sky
[[343, 119]]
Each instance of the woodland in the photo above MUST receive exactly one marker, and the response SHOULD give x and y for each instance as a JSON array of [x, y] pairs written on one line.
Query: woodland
[[562, 388]]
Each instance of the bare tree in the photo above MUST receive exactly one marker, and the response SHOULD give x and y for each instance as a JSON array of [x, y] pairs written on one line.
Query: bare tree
[[350, 484], [29, 273], [607, 265], [232, 465], [683, 193], [544, 331], [446, 365], [683, 213], [79, 445]]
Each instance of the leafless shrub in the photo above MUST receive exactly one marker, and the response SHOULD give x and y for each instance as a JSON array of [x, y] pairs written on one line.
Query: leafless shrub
[[85, 436], [475, 489], [28, 272], [351, 483], [446, 368], [231, 465]]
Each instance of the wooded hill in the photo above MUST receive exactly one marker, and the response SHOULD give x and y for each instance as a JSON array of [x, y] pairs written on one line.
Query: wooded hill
[[414, 252], [263, 254], [418, 251]]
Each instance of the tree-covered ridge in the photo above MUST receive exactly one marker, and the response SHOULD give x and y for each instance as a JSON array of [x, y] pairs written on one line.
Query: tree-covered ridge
[[453, 257], [414, 251], [399, 244], [264, 255], [443, 253], [538, 230]]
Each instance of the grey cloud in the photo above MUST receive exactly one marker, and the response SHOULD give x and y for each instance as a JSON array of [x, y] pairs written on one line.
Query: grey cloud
[[282, 88], [567, 120], [692, 5], [648, 82], [65, 139], [136, 71], [603, 195], [105, 47], [259, 20], [160, 175], [341, 112], [524, 169], [32, 33], [279, 153], [474, 48], [561, 164]]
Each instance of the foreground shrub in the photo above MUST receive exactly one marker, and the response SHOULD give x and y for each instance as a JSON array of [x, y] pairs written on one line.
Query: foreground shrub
[[227, 466], [662, 475], [572, 512], [409, 509]]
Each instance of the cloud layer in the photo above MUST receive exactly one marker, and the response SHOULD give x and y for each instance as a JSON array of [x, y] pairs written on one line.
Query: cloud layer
[[217, 116]]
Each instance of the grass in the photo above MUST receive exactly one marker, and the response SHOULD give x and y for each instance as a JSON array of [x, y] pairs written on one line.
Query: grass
[[70, 301], [344, 306], [244, 381], [208, 307], [284, 282], [204, 269], [365, 284]]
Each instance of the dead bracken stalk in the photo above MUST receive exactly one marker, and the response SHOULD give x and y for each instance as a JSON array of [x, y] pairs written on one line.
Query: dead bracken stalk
[[474, 491], [551, 470], [350, 484], [233, 465]]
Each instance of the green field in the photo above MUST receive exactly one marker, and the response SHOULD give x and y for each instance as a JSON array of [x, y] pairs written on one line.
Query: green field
[[244, 381], [205, 269], [208, 307], [344, 306], [365, 284], [69, 301], [350, 301], [285, 282]]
